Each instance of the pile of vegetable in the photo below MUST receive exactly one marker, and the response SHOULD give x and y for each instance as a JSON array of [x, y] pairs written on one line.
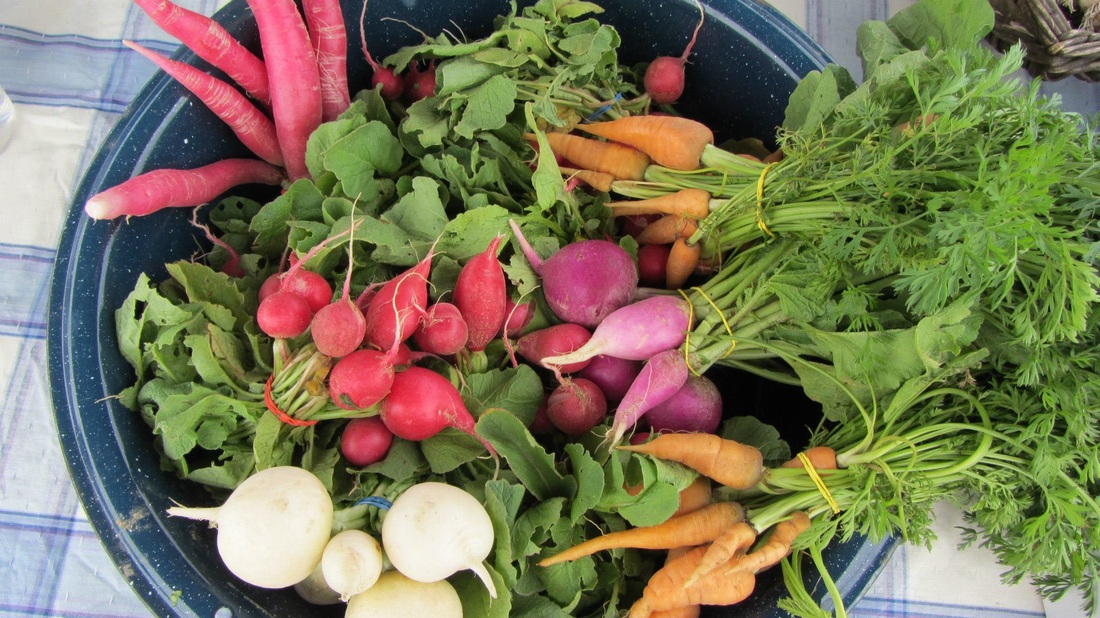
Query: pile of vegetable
[[487, 318]]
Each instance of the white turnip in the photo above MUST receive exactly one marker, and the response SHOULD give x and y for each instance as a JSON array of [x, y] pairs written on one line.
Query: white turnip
[[351, 562], [396, 596], [433, 530], [273, 527]]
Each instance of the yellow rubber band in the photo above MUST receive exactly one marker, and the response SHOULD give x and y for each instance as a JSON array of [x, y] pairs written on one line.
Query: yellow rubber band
[[687, 336], [760, 200], [816, 478], [722, 315]]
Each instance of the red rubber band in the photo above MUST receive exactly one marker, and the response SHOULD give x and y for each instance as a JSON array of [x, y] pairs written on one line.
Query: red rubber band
[[279, 414]]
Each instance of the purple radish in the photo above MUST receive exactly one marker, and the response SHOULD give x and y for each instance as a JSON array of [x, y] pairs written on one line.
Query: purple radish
[[551, 341], [659, 379], [635, 332], [613, 375], [576, 406], [442, 330], [481, 296], [696, 407], [360, 379], [583, 281]]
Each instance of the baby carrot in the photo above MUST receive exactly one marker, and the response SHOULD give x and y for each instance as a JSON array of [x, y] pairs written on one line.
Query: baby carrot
[[693, 203], [666, 589], [666, 230], [622, 162], [695, 496], [681, 263], [731, 463], [695, 528], [821, 458], [671, 141], [775, 548], [737, 539], [601, 181]]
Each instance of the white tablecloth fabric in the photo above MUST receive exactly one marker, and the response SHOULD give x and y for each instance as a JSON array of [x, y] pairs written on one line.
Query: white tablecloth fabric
[[63, 64]]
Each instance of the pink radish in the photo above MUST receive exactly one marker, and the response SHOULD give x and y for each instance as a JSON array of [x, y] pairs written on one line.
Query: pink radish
[[339, 328], [552, 341], [213, 43], [480, 295], [290, 58], [329, 37], [576, 406], [248, 123], [664, 78], [392, 85], [360, 379], [284, 315], [442, 330], [397, 306], [612, 375], [519, 315], [583, 281], [175, 188], [634, 332], [422, 403], [365, 441], [696, 407], [659, 379]]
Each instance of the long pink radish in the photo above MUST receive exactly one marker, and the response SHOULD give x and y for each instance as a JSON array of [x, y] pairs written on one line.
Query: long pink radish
[[213, 43], [397, 307], [421, 403], [175, 188], [329, 36], [290, 59], [660, 378], [635, 332], [481, 296], [249, 124]]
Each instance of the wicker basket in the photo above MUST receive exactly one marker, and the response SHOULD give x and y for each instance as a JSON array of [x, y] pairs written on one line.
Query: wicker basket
[[1056, 42]]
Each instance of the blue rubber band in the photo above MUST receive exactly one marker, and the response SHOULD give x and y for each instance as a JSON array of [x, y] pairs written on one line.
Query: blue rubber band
[[603, 110], [377, 501]]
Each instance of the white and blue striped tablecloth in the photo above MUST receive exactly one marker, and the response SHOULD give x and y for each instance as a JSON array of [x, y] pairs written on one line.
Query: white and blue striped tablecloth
[[63, 63]]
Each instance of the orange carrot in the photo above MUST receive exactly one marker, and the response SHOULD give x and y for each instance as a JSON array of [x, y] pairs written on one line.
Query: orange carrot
[[731, 463], [693, 203], [666, 230], [775, 548], [601, 181], [693, 528], [622, 162], [737, 539], [775, 157], [671, 141], [666, 590], [681, 263], [695, 496], [821, 458]]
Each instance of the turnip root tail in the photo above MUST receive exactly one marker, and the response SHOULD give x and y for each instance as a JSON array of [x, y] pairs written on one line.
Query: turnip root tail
[[483, 574], [209, 514]]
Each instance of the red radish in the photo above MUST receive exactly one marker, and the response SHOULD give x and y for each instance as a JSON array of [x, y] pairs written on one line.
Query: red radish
[[284, 315], [289, 56], [480, 295], [583, 281], [664, 78], [519, 315], [422, 403], [613, 375], [309, 285], [420, 84], [338, 328], [696, 407], [635, 332], [403, 357], [360, 379], [213, 43], [364, 298], [232, 265], [651, 264], [442, 330], [175, 188], [659, 379], [397, 307], [576, 406], [541, 423], [329, 36], [248, 123], [634, 224], [552, 341], [393, 86], [365, 441]]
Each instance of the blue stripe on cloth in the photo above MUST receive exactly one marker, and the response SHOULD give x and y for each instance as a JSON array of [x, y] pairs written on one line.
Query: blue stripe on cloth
[[910, 608], [23, 290]]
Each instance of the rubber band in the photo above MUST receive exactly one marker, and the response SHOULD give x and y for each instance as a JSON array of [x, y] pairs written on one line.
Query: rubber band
[[687, 335], [760, 200], [376, 501], [269, 401], [816, 478], [603, 110], [722, 315]]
